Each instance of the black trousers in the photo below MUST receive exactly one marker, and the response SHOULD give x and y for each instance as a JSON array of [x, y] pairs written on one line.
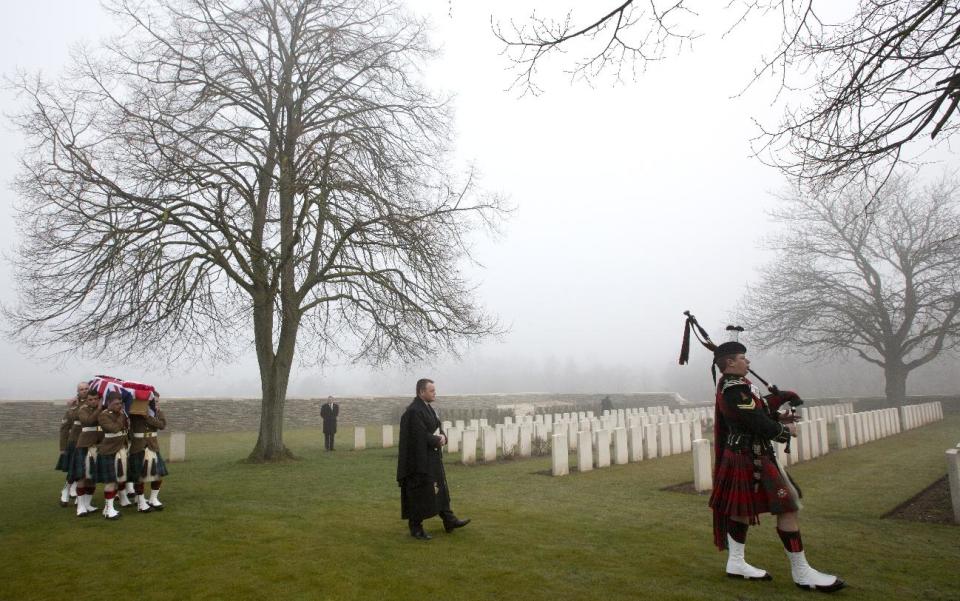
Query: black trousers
[[328, 441]]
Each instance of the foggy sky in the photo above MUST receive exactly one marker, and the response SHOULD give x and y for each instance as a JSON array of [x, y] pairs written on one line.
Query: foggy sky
[[624, 195]]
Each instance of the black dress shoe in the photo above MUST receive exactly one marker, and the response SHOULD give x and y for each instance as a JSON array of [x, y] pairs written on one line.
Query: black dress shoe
[[454, 524], [420, 534]]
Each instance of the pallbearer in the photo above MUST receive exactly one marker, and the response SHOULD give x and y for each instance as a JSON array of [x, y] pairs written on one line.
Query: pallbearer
[[149, 463], [112, 452], [83, 466], [69, 431]]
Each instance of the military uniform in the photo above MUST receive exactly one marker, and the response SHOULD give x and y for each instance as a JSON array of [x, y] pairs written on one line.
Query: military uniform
[[146, 462], [112, 457], [67, 449], [747, 480], [83, 467]]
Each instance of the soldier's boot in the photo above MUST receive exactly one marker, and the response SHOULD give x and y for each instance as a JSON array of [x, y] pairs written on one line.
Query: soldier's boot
[[142, 505], [129, 489], [81, 507], [65, 495], [155, 500], [737, 566], [73, 490], [807, 578], [109, 512], [124, 498], [88, 498]]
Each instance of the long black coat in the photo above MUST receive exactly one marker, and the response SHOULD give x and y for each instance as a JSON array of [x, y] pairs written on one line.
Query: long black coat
[[420, 474], [329, 414]]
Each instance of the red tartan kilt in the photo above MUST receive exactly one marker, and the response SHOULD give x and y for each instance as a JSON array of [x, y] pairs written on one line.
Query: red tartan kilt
[[734, 493]]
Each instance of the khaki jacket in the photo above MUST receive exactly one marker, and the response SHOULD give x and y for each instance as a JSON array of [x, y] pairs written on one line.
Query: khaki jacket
[[159, 422], [74, 424], [89, 418], [112, 423], [66, 425]]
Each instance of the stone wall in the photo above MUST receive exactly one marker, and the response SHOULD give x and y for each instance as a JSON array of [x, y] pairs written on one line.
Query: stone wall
[[41, 419]]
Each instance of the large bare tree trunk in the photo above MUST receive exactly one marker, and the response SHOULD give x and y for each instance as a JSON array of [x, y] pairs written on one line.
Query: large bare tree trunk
[[896, 382], [274, 377]]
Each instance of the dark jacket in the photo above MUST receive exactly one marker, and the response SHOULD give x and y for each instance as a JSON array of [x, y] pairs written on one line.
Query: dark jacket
[[420, 473], [329, 414]]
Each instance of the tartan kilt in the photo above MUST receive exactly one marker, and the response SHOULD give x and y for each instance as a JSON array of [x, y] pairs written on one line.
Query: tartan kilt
[[736, 492], [66, 458], [106, 469], [153, 467], [83, 464], [134, 466]]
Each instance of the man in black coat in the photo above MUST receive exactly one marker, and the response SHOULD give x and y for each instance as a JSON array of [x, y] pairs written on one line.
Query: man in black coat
[[329, 412], [420, 474]]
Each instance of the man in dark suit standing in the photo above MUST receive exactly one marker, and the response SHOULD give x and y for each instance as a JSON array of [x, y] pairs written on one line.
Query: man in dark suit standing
[[329, 412], [420, 474]]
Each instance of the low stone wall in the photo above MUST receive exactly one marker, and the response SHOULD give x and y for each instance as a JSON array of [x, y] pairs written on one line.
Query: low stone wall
[[41, 419]]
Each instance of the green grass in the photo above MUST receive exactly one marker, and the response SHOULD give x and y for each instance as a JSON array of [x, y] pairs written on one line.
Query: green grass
[[328, 527]]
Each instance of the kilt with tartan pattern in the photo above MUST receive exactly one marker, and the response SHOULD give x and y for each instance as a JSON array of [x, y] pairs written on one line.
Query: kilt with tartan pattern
[[83, 465], [66, 458], [747, 485], [153, 467], [106, 469]]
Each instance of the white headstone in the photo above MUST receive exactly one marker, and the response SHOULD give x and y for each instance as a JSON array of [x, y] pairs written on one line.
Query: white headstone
[[635, 436], [469, 454], [953, 476], [526, 440], [387, 436], [602, 439], [359, 438], [650, 439], [685, 440], [453, 439], [460, 425], [824, 436], [841, 431], [178, 447], [584, 451], [621, 453], [488, 444], [702, 466], [664, 439], [676, 444], [560, 455], [511, 439]]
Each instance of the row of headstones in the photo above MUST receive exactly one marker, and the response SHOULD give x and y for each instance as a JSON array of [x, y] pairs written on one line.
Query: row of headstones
[[518, 437], [828, 412], [360, 437], [629, 444], [914, 416], [858, 428]]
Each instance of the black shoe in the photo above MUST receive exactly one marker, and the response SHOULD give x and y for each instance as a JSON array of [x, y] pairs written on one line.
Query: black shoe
[[420, 534], [454, 524], [830, 588]]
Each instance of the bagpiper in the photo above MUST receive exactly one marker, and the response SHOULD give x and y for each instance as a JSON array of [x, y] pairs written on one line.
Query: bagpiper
[[748, 479]]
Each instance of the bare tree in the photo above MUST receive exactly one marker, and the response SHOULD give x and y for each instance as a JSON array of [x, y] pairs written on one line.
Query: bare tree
[[273, 165], [884, 285], [886, 75]]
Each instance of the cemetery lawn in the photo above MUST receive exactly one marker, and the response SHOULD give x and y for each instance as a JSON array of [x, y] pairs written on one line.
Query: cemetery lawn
[[328, 527]]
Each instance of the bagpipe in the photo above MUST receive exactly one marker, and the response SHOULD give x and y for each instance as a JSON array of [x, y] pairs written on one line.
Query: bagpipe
[[137, 398], [783, 397]]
